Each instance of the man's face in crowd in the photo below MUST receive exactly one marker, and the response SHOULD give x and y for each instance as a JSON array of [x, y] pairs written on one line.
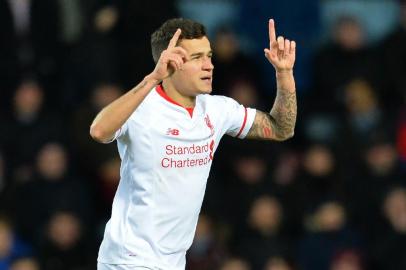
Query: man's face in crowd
[[196, 76]]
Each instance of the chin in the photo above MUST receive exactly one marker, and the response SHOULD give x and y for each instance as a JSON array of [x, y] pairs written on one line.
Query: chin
[[206, 89]]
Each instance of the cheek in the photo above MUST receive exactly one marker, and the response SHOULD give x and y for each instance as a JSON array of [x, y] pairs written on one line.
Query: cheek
[[188, 78], [188, 74], [182, 80], [192, 67]]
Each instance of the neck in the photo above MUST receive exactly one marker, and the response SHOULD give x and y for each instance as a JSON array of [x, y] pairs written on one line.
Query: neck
[[175, 95]]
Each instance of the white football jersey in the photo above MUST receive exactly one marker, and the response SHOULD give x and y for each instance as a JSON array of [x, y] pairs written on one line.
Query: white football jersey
[[166, 153]]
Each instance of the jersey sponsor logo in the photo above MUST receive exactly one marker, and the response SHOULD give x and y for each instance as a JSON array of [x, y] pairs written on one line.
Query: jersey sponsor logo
[[169, 162], [188, 156], [171, 149], [172, 131], [209, 124]]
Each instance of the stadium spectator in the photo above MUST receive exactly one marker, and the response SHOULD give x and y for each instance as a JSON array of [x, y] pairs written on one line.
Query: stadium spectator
[[233, 66], [64, 246], [25, 263], [278, 263], [389, 246], [264, 236], [392, 55], [365, 188], [347, 260], [29, 126], [11, 246], [206, 251], [54, 187], [328, 233], [248, 178], [235, 264], [319, 177], [345, 57]]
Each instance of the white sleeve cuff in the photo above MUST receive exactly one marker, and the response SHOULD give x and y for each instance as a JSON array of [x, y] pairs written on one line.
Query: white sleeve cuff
[[247, 123]]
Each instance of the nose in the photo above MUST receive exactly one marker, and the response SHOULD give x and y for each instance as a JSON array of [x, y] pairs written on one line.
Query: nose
[[207, 64]]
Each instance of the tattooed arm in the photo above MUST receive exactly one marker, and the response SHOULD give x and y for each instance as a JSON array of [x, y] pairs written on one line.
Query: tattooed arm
[[114, 115], [278, 125]]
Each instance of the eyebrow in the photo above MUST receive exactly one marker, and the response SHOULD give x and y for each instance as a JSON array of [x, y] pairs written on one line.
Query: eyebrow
[[201, 53]]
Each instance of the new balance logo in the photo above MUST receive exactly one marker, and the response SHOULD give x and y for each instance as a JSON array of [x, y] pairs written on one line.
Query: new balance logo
[[172, 131]]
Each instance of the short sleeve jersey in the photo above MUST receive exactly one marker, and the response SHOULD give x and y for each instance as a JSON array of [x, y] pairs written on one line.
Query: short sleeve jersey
[[166, 153]]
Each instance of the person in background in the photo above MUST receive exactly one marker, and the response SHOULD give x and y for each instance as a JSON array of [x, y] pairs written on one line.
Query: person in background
[[64, 246], [328, 232], [347, 259], [278, 263], [25, 263], [235, 264], [54, 187], [389, 245], [264, 236], [11, 246], [30, 125], [206, 251]]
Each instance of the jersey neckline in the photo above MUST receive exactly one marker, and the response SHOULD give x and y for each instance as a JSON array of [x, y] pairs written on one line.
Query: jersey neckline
[[160, 90]]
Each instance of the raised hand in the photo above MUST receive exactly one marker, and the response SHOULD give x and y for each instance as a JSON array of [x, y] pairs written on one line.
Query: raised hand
[[281, 52], [171, 59]]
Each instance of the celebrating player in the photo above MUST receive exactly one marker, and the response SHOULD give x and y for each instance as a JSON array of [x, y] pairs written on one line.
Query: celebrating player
[[167, 130]]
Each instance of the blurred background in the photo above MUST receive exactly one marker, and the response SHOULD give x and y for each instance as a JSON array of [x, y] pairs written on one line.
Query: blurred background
[[331, 198]]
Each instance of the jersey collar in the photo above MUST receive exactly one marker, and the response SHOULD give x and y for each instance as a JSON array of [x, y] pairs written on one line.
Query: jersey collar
[[163, 94]]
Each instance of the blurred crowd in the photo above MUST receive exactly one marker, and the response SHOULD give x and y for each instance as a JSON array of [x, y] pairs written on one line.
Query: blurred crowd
[[331, 198]]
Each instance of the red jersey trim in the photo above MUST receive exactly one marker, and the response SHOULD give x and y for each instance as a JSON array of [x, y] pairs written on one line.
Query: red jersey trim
[[162, 93], [243, 123]]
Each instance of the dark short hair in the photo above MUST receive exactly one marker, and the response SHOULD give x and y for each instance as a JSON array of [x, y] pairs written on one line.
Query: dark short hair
[[161, 37]]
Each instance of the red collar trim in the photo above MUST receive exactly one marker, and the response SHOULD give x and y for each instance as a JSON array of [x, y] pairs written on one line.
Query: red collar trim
[[163, 94]]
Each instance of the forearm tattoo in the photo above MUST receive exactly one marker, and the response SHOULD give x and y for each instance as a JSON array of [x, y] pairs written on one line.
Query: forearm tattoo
[[138, 87], [284, 113], [280, 123]]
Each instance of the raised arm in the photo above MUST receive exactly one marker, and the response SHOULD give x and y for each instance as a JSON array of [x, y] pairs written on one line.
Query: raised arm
[[114, 115], [279, 124]]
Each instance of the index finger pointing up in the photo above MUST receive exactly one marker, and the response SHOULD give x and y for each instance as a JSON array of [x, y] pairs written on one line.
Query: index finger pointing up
[[174, 39], [272, 33]]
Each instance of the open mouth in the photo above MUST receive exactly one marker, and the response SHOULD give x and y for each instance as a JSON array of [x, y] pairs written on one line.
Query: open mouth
[[206, 79]]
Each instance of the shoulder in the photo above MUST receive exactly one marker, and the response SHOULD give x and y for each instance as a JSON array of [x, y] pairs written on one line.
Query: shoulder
[[216, 99], [147, 107]]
